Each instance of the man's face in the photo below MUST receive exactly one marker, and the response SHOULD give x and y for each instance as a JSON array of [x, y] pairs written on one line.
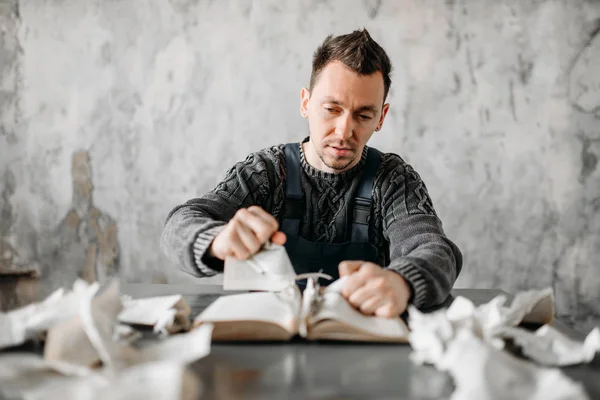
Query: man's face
[[343, 110]]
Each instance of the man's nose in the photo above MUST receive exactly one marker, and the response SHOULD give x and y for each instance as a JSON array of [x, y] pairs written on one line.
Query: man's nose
[[344, 126]]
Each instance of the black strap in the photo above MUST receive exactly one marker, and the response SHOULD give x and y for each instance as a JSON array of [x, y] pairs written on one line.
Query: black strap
[[294, 203], [363, 200]]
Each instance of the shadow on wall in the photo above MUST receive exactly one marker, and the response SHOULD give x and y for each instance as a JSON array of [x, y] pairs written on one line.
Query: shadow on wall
[[86, 238]]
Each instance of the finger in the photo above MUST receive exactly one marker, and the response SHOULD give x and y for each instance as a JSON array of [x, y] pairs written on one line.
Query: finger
[[279, 238], [353, 283], [348, 267], [265, 216], [239, 249], [369, 306], [366, 272], [374, 287], [248, 238], [370, 270], [263, 230], [389, 310]]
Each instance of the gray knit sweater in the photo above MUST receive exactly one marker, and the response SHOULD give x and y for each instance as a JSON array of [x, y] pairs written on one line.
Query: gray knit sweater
[[404, 227]]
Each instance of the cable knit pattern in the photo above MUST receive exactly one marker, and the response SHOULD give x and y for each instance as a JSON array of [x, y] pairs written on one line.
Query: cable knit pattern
[[405, 227]]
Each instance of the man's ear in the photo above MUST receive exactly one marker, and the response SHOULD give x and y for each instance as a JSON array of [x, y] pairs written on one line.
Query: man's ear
[[384, 111], [304, 97]]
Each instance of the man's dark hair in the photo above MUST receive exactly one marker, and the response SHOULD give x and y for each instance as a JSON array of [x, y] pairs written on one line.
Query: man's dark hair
[[358, 51]]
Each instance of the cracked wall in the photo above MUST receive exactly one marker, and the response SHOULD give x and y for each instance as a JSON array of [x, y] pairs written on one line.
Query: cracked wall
[[495, 103]]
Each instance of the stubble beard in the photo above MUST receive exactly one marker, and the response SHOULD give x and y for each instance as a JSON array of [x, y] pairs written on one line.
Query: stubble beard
[[337, 164]]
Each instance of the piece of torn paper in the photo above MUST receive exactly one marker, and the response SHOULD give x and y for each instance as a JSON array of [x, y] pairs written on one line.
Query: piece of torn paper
[[165, 314], [88, 338], [431, 332], [468, 342], [183, 348], [30, 377], [548, 346], [270, 269], [484, 373], [31, 321], [125, 334], [157, 371]]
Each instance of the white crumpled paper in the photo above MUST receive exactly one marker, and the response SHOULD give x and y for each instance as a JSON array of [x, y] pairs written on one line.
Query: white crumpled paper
[[484, 373], [29, 322], [29, 377], [165, 314], [431, 333], [87, 339], [548, 346], [468, 341]]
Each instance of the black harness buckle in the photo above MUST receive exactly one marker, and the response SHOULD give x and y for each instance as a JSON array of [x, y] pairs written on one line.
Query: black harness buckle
[[362, 211]]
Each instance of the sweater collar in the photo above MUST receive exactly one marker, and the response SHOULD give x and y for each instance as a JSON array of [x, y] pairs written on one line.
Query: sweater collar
[[331, 176]]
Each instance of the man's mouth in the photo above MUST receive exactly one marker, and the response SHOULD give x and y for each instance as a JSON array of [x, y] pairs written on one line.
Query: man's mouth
[[341, 151]]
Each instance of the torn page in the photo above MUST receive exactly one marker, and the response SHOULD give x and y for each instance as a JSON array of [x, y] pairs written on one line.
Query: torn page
[[28, 376], [533, 306], [125, 334], [270, 269], [183, 348], [87, 339], [431, 332], [468, 342], [548, 346], [165, 380], [166, 314], [484, 373], [309, 305], [14, 365], [31, 321]]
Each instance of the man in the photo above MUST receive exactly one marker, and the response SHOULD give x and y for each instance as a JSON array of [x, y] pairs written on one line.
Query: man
[[335, 203]]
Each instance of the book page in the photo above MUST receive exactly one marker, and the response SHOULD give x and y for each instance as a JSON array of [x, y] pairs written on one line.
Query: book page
[[335, 307], [164, 313], [279, 308], [270, 269]]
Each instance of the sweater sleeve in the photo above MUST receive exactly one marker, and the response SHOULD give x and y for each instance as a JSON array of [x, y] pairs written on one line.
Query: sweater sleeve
[[191, 227], [419, 249]]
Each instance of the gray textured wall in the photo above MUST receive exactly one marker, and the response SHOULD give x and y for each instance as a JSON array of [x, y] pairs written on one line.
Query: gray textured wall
[[112, 112]]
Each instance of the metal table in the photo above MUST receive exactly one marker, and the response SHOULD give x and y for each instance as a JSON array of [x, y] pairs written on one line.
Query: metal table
[[321, 370]]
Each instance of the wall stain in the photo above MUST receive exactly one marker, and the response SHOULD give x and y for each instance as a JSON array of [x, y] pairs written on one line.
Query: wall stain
[[511, 99], [11, 263], [589, 160], [524, 69], [373, 6], [584, 87], [87, 236]]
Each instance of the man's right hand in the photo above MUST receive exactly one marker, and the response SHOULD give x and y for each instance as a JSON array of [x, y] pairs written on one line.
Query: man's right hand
[[245, 234]]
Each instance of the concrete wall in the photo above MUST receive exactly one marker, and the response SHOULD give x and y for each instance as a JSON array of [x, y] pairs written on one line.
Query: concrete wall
[[114, 111]]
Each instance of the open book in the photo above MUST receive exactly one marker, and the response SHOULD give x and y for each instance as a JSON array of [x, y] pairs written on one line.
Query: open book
[[282, 311], [315, 315]]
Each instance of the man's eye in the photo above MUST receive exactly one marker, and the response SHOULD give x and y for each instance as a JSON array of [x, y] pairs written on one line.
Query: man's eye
[[365, 117], [329, 109]]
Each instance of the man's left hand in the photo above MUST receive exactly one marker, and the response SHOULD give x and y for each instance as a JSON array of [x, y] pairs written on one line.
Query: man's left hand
[[374, 290]]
